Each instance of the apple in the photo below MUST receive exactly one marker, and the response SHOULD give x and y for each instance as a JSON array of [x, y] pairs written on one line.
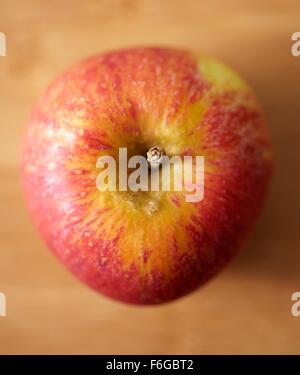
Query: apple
[[145, 247]]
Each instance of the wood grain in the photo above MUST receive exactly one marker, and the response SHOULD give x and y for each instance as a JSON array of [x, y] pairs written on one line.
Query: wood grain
[[244, 310]]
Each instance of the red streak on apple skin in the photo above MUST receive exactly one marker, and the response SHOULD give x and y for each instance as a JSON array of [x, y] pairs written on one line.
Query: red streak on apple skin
[[138, 98]]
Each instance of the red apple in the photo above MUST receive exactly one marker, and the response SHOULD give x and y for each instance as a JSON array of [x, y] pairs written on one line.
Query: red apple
[[145, 247]]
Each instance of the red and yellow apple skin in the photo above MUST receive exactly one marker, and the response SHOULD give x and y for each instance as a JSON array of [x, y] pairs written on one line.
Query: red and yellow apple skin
[[145, 247]]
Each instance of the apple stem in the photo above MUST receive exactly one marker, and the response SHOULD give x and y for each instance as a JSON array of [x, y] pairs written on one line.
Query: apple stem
[[154, 156]]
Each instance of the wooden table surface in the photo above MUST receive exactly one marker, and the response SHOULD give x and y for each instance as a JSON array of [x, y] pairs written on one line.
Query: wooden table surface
[[246, 309]]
